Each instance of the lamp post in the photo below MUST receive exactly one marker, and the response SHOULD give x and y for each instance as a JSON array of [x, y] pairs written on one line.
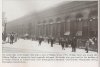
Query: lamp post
[[5, 25], [5, 28]]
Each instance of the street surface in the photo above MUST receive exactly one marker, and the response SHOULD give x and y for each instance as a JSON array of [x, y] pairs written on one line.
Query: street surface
[[29, 46]]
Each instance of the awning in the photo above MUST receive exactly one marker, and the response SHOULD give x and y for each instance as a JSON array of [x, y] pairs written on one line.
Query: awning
[[79, 33], [26, 35], [67, 33]]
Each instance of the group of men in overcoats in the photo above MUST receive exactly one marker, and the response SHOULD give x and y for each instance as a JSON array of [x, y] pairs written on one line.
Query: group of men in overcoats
[[64, 42]]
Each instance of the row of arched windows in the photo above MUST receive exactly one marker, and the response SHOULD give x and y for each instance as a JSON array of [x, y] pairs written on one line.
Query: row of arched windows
[[81, 25]]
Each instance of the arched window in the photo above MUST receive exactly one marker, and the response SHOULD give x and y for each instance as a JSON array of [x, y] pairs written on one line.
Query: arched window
[[51, 20], [79, 24], [44, 21], [79, 15], [58, 19], [93, 23], [93, 13]]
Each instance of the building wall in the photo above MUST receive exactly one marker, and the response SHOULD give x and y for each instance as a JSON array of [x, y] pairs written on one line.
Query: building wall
[[76, 18]]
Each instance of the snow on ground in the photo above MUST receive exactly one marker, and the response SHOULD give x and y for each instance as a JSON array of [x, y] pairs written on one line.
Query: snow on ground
[[25, 46]]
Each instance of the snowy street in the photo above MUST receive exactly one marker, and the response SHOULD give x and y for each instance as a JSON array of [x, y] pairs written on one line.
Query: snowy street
[[29, 46]]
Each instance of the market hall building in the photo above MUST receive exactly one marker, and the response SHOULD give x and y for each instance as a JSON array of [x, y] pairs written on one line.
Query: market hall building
[[77, 18]]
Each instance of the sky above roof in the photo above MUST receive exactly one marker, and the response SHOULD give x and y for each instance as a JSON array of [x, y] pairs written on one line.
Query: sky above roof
[[17, 8]]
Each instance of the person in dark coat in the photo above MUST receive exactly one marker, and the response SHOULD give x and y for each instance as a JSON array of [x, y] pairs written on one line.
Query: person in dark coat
[[69, 41], [40, 40], [87, 46], [11, 38], [48, 40], [3, 36], [73, 44], [63, 43], [52, 41]]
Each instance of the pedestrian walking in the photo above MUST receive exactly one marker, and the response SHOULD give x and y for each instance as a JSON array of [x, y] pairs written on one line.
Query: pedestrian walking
[[87, 46], [48, 40], [73, 44], [52, 41], [63, 43], [40, 40], [66, 42], [3, 36], [11, 38]]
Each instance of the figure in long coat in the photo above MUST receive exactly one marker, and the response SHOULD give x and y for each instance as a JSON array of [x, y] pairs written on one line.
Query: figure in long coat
[[52, 42], [87, 46], [66, 42], [48, 40], [11, 38], [40, 40], [74, 44], [63, 43]]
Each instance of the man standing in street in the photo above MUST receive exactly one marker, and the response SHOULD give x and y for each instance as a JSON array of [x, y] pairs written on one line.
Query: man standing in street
[[63, 43], [52, 41], [40, 40], [11, 38], [73, 44]]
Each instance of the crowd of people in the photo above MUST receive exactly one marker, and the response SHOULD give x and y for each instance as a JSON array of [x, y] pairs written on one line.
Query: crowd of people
[[64, 42], [72, 42], [10, 38]]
